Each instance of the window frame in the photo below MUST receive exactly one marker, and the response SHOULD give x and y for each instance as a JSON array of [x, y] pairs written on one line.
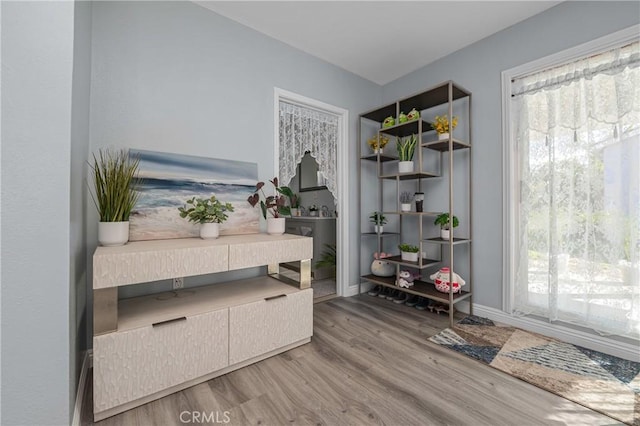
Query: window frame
[[510, 172]]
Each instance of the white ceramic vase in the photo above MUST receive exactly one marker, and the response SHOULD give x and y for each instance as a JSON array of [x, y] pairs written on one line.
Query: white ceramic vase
[[443, 136], [405, 207], [209, 231], [378, 229], [111, 234], [409, 257], [378, 151], [405, 166], [444, 234], [275, 225]]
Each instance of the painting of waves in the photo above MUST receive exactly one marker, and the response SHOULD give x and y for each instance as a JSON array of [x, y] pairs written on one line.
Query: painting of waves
[[169, 180]]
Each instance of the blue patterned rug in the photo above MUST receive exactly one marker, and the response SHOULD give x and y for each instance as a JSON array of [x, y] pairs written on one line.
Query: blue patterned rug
[[598, 381]]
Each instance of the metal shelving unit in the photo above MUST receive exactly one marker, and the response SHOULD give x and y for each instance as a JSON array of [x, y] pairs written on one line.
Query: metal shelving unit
[[378, 169]]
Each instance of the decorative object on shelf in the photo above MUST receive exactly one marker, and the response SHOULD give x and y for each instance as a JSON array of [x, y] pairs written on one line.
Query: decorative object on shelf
[[442, 280], [377, 143], [406, 148], [413, 115], [402, 118], [405, 279], [378, 220], [313, 210], [274, 204], [115, 184], [441, 125], [208, 212], [419, 197], [388, 122], [408, 252], [443, 221], [405, 201], [294, 201], [381, 267]]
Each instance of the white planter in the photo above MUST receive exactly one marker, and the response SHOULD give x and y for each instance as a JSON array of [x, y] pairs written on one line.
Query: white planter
[[275, 225], [209, 231], [378, 151], [295, 212], [409, 257], [405, 207], [378, 229], [405, 167], [111, 234], [443, 136], [444, 234]]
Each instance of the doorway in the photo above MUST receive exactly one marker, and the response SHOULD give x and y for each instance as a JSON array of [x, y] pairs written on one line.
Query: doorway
[[315, 196]]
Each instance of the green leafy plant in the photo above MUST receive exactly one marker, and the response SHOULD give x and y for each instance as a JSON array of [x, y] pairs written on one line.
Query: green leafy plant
[[408, 248], [406, 147], [115, 182], [443, 221], [274, 204], [205, 210], [377, 218], [328, 257]]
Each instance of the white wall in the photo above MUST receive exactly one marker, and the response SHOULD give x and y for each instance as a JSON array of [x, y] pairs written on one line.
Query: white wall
[[478, 68], [37, 61]]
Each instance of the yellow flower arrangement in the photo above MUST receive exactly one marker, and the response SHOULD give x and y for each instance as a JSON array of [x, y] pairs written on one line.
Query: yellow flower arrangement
[[378, 142], [441, 123]]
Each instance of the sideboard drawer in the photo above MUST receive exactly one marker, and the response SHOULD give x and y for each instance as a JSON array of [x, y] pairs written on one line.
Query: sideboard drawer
[[135, 363], [259, 327]]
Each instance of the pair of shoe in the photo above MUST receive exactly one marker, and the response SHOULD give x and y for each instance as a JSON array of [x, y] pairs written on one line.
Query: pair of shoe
[[422, 303], [375, 291]]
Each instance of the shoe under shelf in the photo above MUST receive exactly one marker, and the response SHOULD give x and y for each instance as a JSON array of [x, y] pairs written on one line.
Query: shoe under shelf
[[419, 288]]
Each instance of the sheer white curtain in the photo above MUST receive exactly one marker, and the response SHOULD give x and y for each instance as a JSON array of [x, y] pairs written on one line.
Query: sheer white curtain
[[577, 130], [306, 129]]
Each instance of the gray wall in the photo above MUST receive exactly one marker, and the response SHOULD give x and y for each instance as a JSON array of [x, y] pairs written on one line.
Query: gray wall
[[176, 77], [37, 61], [79, 199], [478, 68]]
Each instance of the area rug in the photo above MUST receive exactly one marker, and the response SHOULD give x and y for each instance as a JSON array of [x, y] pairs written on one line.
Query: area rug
[[601, 382]]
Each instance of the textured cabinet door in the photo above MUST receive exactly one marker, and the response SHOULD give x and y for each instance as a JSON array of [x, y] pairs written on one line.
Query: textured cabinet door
[[135, 363], [259, 327]]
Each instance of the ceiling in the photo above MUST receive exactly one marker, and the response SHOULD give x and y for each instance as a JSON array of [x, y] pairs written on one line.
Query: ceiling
[[380, 40]]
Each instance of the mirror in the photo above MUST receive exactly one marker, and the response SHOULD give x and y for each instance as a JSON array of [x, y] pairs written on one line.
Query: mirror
[[310, 178]]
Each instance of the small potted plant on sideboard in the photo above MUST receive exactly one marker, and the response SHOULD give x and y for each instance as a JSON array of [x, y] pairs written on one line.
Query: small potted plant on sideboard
[[274, 204], [408, 252], [208, 212], [445, 226], [378, 220]]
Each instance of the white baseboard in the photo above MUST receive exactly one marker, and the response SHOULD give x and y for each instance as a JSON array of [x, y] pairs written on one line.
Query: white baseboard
[[87, 362], [565, 334]]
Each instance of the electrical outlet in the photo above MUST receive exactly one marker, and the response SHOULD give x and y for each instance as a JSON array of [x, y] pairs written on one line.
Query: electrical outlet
[[178, 283]]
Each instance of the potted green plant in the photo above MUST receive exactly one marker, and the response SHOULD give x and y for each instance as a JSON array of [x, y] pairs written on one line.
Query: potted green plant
[[328, 258], [442, 126], [408, 252], [406, 148], [273, 204], [295, 201], [378, 220], [405, 201], [115, 182], [313, 210], [208, 212], [377, 143], [443, 221]]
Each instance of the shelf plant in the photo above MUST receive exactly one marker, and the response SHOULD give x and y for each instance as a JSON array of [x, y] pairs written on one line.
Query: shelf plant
[[406, 148], [409, 252], [377, 143], [275, 204], [208, 212], [446, 224], [378, 220], [405, 201], [442, 126], [115, 183]]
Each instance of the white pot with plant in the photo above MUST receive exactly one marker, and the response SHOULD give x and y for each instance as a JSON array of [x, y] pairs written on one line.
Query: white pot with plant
[[275, 205], [378, 220], [406, 148], [115, 181], [445, 226], [377, 143], [295, 201], [208, 212], [405, 201], [408, 252], [441, 125]]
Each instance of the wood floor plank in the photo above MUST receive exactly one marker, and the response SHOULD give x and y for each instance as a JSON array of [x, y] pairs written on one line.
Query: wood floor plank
[[369, 362]]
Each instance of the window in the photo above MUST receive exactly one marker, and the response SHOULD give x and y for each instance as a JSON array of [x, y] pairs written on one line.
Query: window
[[574, 191]]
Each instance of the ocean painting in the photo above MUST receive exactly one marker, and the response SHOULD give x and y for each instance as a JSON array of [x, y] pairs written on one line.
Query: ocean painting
[[169, 180]]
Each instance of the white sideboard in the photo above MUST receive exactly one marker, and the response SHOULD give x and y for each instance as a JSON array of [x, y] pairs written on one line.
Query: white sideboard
[[147, 347]]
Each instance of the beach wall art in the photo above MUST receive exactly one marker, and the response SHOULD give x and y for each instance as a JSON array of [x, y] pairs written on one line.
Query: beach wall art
[[169, 180]]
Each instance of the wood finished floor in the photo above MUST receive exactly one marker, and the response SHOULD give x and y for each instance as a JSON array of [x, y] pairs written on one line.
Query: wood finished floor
[[369, 362]]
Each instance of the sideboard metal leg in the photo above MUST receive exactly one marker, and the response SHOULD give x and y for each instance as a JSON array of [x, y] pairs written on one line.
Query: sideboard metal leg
[[305, 273], [273, 269], [105, 310]]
